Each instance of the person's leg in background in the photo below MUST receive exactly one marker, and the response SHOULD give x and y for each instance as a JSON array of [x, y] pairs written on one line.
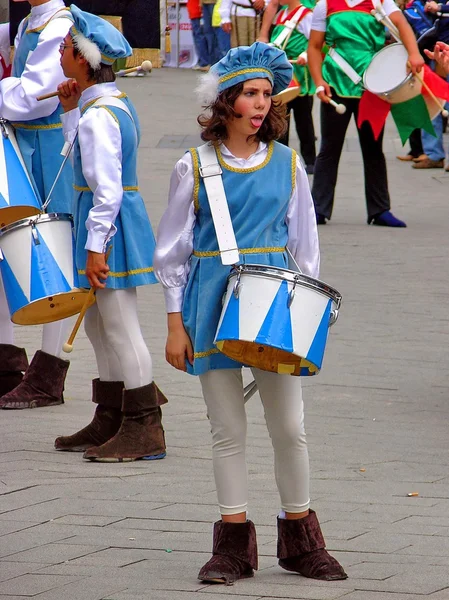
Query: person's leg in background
[[302, 111], [200, 42], [433, 147]]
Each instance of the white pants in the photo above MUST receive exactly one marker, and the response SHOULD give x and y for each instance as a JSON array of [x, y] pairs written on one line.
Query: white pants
[[284, 415], [113, 329], [53, 334]]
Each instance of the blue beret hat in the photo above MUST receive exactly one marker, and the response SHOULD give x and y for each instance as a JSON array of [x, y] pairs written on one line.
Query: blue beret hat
[[253, 62], [110, 43]]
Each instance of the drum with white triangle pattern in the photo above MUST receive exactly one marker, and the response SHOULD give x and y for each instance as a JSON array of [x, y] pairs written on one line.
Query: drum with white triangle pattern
[[18, 199], [38, 269], [276, 319]]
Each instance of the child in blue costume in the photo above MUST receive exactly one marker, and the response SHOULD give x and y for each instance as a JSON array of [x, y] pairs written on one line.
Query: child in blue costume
[[108, 206], [271, 210], [36, 71]]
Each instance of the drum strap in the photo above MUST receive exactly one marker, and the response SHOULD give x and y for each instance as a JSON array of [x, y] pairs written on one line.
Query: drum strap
[[210, 171], [344, 66], [283, 38]]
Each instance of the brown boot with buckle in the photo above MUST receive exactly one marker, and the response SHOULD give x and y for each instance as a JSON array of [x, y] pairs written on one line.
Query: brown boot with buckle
[[141, 434], [301, 548], [234, 553], [107, 395], [42, 384], [13, 363]]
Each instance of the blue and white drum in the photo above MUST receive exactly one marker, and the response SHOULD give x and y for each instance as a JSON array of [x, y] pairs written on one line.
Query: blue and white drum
[[18, 199], [38, 269], [276, 319]]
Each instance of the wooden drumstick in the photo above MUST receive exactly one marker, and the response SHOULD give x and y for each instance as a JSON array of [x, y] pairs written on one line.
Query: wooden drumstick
[[146, 66], [68, 346], [437, 101]]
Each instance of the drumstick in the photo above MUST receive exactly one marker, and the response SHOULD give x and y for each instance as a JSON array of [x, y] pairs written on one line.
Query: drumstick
[[437, 101], [146, 66], [340, 108], [68, 346]]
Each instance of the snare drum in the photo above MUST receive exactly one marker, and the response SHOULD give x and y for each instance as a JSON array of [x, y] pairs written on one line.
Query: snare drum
[[18, 198], [387, 77], [276, 319], [38, 269]]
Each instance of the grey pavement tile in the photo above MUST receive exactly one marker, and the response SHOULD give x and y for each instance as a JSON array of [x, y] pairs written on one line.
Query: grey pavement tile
[[164, 595], [52, 554], [10, 570], [13, 526], [88, 520], [32, 585]]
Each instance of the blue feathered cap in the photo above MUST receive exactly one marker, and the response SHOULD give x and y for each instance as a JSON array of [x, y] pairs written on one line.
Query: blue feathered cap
[[253, 62], [96, 39]]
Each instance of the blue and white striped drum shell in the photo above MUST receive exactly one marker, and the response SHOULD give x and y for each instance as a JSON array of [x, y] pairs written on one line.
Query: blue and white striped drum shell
[[276, 319], [18, 199], [38, 269]]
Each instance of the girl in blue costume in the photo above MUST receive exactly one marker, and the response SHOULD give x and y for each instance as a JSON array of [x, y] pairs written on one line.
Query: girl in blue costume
[[271, 210], [107, 205]]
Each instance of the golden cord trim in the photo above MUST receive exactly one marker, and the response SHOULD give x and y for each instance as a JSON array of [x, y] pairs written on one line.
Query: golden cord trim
[[243, 72], [124, 273], [126, 188], [196, 178], [251, 169], [266, 250], [205, 354], [34, 127]]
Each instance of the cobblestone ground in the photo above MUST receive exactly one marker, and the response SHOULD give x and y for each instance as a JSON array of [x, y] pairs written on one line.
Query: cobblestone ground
[[377, 420]]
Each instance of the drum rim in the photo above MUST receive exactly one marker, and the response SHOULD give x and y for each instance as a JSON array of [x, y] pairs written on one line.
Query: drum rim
[[390, 91], [41, 218], [310, 282]]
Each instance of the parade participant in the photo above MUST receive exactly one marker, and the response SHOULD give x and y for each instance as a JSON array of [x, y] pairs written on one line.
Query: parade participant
[[269, 14], [440, 54], [5, 67], [291, 33], [127, 424], [36, 70], [354, 35], [271, 210], [242, 19]]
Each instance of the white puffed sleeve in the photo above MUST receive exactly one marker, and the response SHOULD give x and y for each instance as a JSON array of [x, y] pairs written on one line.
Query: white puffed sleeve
[[42, 75], [302, 228], [101, 156], [225, 11], [175, 235], [70, 121]]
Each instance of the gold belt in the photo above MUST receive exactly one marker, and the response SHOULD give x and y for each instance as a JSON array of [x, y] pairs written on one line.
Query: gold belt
[[265, 250]]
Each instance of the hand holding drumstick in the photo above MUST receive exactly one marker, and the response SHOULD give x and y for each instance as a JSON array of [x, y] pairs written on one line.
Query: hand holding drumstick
[[324, 93], [96, 268]]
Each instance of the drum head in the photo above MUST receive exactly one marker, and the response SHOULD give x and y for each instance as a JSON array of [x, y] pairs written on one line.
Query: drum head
[[11, 214], [52, 308], [288, 94], [388, 70]]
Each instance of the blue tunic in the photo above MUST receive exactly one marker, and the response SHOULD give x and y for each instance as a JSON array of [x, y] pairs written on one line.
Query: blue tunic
[[131, 258], [258, 200], [41, 140]]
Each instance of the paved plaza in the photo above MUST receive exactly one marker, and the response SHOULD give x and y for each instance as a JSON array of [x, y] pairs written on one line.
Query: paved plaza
[[377, 418]]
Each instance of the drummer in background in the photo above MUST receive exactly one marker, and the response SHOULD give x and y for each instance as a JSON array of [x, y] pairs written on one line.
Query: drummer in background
[[277, 213], [36, 70], [295, 46], [127, 423], [354, 35], [242, 19], [5, 66], [269, 14]]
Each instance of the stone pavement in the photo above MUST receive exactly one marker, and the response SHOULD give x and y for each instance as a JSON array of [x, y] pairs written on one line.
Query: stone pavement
[[377, 420]]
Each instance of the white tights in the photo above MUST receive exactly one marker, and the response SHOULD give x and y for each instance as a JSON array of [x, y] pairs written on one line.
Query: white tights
[[284, 415], [53, 334], [113, 329]]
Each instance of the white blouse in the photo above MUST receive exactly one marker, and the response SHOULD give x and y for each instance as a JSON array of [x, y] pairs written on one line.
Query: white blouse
[[175, 233], [100, 142], [42, 73], [4, 45]]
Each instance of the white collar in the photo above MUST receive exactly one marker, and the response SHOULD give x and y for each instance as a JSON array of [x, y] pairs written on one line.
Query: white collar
[[225, 152], [51, 6], [97, 90]]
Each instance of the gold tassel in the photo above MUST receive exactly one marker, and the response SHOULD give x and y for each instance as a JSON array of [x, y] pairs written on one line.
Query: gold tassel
[[167, 40]]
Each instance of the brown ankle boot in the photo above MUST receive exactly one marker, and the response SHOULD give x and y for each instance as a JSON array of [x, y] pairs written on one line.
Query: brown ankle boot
[[141, 434], [107, 395], [234, 553], [42, 384], [301, 548], [13, 362]]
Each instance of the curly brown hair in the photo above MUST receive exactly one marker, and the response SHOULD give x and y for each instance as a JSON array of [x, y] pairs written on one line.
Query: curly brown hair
[[214, 125]]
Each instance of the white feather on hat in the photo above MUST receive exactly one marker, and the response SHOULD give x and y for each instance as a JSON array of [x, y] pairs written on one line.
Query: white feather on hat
[[88, 49], [207, 88]]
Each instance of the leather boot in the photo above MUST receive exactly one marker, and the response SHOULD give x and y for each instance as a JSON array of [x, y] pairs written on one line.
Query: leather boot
[[107, 395], [301, 548], [234, 553], [13, 362], [141, 434], [42, 384]]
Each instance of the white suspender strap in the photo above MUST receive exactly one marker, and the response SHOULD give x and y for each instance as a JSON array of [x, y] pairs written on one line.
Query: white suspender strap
[[210, 171], [283, 38]]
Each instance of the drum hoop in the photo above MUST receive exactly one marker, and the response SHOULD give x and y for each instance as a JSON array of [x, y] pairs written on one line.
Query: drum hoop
[[278, 273], [390, 91], [42, 218]]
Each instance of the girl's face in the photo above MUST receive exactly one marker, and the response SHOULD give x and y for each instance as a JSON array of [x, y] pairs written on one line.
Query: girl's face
[[253, 104]]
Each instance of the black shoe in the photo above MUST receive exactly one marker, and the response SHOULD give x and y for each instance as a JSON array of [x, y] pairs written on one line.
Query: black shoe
[[320, 219]]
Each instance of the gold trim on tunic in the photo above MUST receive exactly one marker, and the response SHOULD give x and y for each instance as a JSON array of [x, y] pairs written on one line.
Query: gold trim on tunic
[[124, 273], [249, 170], [266, 250]]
